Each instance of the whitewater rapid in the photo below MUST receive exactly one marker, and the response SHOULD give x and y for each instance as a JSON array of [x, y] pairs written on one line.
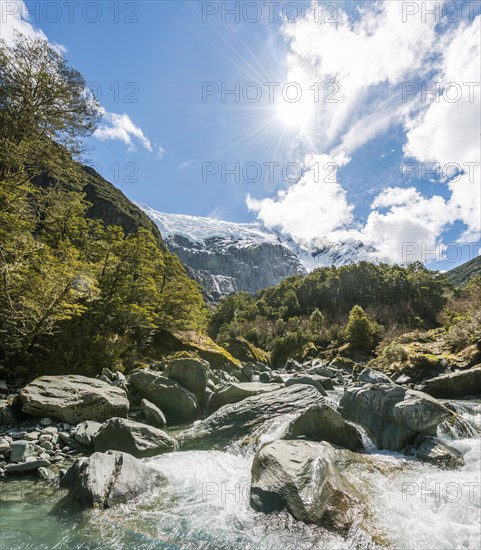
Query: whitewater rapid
[[205, 505]]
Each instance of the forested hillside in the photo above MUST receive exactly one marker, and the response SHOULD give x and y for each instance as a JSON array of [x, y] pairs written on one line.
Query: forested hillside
[[85, 279], [351, 309], [463, 273]]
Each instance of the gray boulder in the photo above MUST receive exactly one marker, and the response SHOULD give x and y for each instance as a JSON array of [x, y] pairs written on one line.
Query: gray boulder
[[28, 466], [237, 391], [306, 479], [139, 440], [106, 479], [320, 422], [190, 373], [21, 450], [430, 449], [240, 419], [392, 415], [73, 398], [311, 380], [85, 431], [454, 384], [178, 403], [371, 376], [152, 414]]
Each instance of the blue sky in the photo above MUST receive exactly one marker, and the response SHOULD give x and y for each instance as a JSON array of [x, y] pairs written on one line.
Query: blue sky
[[148, 62]]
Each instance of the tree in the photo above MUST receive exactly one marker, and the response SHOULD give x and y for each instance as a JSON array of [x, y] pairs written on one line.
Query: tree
[[317, 321], [360, 330]]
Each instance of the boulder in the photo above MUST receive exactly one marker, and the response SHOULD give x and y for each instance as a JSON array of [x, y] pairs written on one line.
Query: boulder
[[107, 479], [307, 480], [190, 373], [321, 422], [271, 378], [454, 384], [430, 449], [139, 440], [152, 414], [21, 450], [240, 419], [371, 376], [309, 380], [28, 466], [178, 403], [237, 391], [392, 415], [73, 398], [85, 431]]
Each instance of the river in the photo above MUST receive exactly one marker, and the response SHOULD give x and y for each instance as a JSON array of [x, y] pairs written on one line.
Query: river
[[205, 505]]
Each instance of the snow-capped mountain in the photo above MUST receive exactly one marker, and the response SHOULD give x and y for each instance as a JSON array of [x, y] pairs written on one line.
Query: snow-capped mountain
[[226, 257]]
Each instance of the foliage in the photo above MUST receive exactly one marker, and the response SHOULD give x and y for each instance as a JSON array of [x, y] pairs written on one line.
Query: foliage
[[76, 294], [360, 330]]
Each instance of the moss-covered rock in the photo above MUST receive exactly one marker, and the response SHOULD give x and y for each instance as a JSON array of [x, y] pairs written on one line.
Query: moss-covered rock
[[245, 351], [200, 345]]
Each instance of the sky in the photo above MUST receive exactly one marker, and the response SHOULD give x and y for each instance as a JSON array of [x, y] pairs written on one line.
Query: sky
[[326, 120]]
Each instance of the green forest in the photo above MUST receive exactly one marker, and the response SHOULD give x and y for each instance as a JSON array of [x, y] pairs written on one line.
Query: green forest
[[78, 294]]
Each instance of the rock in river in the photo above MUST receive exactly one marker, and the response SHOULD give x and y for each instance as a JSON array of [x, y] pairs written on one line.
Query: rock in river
[[454, 384], [306, 478], [118, 434], [235, 421], [178, 403], [321, 422], [392, 415], [237, 391], [190, 373], [73, 398], [106, 479]]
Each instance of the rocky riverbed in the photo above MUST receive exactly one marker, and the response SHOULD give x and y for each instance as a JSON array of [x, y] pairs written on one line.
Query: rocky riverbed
[[302, 457]]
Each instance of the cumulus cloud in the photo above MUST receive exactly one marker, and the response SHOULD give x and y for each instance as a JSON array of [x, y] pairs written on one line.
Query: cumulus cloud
[[314, 206], [121, 127], [364, 59], [370, 56], [448, 130]]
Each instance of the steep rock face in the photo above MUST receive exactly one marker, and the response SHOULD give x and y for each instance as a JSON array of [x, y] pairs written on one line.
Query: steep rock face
[[226, 257]]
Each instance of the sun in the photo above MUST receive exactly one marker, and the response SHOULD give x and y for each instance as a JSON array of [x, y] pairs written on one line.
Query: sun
[[295, 115]]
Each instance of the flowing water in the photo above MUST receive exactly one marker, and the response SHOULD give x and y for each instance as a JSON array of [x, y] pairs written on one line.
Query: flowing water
[[205, 505]]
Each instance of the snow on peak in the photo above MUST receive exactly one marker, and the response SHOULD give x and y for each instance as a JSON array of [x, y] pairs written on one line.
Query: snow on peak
[[198, 229]]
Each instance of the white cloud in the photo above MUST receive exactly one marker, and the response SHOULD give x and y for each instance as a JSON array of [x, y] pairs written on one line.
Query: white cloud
[[15, 18], [448, 132], [122, 128], [410, 227], [368, 59], [314, 206]]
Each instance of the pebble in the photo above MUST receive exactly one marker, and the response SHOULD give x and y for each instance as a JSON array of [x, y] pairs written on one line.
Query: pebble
[[44, 456], [47, 445], [32, 436], [4, 445], [46, 421], [45, 437], [50, 430]]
